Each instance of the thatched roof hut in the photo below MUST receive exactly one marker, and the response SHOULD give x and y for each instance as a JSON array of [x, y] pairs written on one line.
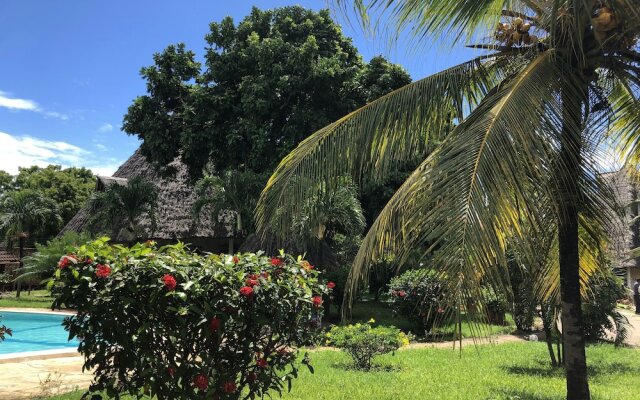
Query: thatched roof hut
[[174, 216], [625, 235]]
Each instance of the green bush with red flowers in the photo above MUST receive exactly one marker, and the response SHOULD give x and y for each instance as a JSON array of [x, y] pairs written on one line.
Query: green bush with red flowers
[[178, 325], [418, 295]]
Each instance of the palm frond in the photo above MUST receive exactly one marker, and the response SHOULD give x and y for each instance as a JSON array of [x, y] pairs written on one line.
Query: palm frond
[[399, 128], [465, 199]]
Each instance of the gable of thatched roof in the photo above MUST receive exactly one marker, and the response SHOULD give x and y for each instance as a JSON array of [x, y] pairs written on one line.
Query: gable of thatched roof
[[174, 218], [624, 235]]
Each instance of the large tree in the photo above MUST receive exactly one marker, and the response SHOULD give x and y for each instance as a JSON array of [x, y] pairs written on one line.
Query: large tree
[[68, 187], [267, 83], [531, 116]]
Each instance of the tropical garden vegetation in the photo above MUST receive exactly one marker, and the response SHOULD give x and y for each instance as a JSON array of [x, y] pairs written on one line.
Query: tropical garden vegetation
[[531, 116], [478, 187], [173, 324]]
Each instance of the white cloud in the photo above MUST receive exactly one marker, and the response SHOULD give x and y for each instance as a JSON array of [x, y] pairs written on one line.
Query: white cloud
[[25, 151], [16, 104], [104, 128], [101, 147]]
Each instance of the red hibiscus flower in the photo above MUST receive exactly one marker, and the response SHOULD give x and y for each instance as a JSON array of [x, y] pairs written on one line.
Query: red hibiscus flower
[[252, 377], [265, 275], [63, 263], [252, 282], [103, 271], [169, 282], [317, 301], [229, 387], [201, 381], [236, 260], [402, 293], [276, 261], [215, 323], [246, 291], [331, 285], [262, 363]]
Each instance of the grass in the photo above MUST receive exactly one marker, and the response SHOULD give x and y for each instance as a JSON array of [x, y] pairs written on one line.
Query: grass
[[37, 299], [507, 371]]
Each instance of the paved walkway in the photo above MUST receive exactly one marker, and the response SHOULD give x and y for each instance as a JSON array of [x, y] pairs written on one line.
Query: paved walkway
[[634, 320], [42, 378]]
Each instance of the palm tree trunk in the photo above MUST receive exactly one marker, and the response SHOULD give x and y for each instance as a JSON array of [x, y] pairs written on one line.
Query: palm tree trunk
[[21, 239], [568, 171]]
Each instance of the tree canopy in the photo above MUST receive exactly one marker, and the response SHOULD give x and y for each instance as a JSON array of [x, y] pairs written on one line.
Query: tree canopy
[[266, 83], [67, 188]]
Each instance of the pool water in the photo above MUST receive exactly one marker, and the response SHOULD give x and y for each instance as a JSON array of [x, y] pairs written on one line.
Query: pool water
[[34, 332]]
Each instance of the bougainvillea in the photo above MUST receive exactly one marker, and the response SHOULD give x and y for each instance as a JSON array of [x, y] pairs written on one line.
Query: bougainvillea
[[178, 325]]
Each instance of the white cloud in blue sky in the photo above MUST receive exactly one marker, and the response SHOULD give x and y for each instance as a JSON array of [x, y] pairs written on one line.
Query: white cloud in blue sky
[[18, 104], [104, 128], [24, 151]]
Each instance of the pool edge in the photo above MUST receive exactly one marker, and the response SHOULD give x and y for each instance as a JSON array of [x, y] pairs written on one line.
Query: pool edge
[[38, 355], [37, 311]]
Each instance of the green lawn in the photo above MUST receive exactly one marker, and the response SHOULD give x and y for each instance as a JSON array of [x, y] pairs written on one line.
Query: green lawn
[[37, 299], [512, 371]]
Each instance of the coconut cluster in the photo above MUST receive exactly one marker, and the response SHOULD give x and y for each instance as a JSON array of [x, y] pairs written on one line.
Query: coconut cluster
[[603, 22], [515, 33]]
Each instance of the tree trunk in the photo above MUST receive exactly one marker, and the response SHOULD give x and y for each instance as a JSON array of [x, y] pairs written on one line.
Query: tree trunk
[[569, 172], [21, 239]]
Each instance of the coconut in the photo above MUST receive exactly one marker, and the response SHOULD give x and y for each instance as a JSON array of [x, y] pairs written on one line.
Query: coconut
[[525, 27], [517, 22]]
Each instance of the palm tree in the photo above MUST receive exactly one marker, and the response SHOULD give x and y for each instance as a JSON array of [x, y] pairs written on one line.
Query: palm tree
[[120, 206], [25, 212], [231, 190], [531, 115]]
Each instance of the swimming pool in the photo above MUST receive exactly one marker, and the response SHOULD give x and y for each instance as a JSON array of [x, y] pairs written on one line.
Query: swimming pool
[[34, 332]]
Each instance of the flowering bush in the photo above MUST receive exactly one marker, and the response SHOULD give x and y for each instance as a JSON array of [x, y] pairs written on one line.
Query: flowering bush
[[495, 305], [417, 295], [179, 325], [363, 342]]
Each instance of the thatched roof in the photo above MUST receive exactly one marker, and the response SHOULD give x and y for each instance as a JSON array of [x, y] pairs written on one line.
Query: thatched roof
[[624, 236], [174, 208], [8, 258]]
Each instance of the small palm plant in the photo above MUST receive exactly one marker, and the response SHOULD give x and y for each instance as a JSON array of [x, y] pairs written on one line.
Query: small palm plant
[[531, 115], [25, 212], [119, 207]]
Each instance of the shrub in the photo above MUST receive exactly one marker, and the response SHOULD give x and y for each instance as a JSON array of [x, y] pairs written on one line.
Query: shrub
[[363, 342], [599, 313], [495, 304], [183, 325], [42, 264], [417, 295]]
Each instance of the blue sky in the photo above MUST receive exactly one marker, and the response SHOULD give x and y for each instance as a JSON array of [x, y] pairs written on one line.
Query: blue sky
[[71, 68]]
